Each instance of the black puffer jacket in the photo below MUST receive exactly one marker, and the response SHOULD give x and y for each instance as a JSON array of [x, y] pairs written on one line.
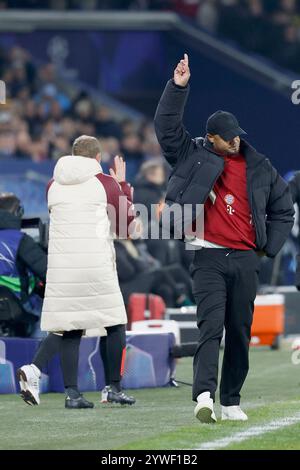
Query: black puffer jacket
[[196, 167], [29, 256], [295, 188]]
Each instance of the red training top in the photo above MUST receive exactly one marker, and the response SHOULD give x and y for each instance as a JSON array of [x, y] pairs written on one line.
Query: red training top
[[228, 222]]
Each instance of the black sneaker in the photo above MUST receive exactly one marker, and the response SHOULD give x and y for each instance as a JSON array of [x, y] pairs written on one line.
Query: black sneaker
[[77, 403], [119, 397]]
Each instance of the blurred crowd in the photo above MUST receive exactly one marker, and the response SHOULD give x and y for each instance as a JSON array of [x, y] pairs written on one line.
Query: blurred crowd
[[40, 120], [267, 27]]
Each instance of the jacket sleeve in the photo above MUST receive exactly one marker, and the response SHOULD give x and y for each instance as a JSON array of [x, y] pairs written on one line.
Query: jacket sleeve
[[172, 136], [280, 214], [33, 257], [120, 208]]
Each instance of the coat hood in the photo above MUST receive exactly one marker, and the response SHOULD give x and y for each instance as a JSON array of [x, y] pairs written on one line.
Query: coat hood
[[75, 169]]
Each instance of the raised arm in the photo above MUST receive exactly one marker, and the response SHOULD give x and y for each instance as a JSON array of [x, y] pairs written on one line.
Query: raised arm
[[170, 131], [119, 195]]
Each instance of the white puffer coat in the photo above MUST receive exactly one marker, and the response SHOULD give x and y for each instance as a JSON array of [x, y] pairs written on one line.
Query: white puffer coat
[[82, 289]]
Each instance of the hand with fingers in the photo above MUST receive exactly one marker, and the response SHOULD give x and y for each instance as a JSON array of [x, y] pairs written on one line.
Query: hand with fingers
[[182, 72], [118, 172]]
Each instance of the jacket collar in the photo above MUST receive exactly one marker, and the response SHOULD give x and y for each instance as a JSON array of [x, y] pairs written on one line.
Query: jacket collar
[[251, 155]]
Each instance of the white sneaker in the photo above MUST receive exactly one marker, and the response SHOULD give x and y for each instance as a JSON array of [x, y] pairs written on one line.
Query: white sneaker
[[28, 377], [233, 413], [204, 410], [104, 394]]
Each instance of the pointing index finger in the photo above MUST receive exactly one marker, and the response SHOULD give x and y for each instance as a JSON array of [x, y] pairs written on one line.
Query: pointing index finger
[[186, 59]]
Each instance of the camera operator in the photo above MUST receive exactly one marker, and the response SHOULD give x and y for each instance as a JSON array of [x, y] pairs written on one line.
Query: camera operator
[[23, 265]]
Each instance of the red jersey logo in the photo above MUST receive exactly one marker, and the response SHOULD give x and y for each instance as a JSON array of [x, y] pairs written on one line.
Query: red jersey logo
[[229, 199]]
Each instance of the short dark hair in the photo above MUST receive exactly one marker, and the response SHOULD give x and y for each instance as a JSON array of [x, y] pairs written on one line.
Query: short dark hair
[[86, 146], [9, 202]]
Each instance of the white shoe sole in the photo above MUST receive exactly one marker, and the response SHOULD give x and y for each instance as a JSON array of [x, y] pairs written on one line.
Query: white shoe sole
[[205, 414], [25, 394], [225, 418]]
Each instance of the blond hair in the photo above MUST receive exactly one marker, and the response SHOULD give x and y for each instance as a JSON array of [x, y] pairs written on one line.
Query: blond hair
[[86, 146]]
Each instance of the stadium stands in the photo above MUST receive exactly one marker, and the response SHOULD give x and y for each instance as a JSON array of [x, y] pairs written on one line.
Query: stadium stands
[[267, 27], [40, 120]]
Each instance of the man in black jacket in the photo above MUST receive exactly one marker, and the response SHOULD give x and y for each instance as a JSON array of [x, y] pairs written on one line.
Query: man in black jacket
[[23, 263], [248, 212]]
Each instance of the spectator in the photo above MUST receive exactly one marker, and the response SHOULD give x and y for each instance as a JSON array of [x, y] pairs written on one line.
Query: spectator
[[110, 148], [22, 65], [150, 184], [50, 95], [150, 146], [7, 145], [83, 110], [131, 147], [288, 53], [39, 149], [60, 147], [106, 126], [255, 22], [23, 142], [208, 15]]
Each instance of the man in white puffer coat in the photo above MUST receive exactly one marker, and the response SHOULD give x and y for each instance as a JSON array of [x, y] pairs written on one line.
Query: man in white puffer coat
[[82, 293]]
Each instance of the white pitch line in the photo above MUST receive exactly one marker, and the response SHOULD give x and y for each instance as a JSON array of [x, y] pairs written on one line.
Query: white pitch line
[[250, 432]]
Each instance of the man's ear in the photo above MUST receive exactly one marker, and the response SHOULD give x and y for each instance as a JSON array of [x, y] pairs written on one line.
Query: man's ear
[[98, 157], [210, 138]]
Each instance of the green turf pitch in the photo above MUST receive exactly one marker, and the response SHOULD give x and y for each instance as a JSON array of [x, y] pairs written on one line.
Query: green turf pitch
[[163, 418]]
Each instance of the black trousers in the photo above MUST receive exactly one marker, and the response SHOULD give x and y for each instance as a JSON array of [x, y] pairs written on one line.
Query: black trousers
[[67, 345], [112, 353], [224, 286]]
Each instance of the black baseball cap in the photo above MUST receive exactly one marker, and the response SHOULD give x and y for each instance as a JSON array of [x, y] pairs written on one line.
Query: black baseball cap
[[224, 124]]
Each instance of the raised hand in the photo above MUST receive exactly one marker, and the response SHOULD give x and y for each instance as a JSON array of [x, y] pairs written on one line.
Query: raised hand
[[118, 172], [182, 72]]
